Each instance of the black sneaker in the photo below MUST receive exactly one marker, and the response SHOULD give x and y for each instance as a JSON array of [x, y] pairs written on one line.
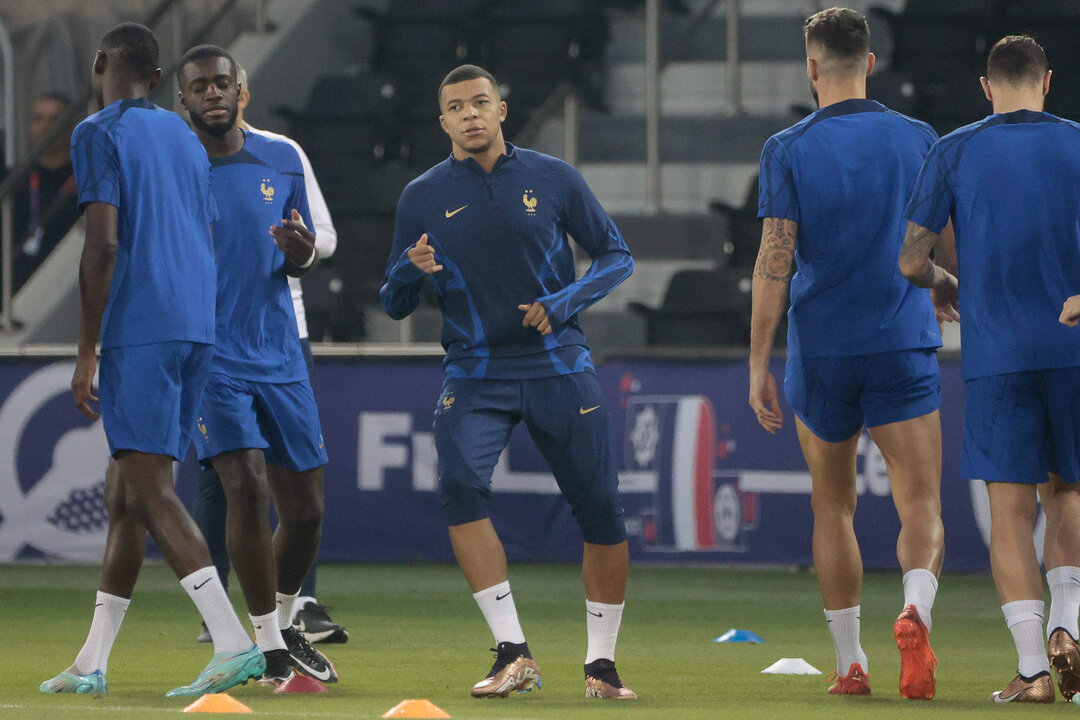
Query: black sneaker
[[307, 659], [514, 671], [279, 668], [314, 623], [602, 681], [204, 635]]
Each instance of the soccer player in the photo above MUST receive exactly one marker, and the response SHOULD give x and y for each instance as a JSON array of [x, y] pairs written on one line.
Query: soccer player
[[488, 225], [861, 340], [258, 423], [311, 618], [1011, 185], [147, 281]]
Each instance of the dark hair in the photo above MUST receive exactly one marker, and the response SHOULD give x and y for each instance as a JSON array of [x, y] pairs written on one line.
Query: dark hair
[[202, 52], [841, 31], [1017, 59], [463, 73], [55, 96], [135, 46]]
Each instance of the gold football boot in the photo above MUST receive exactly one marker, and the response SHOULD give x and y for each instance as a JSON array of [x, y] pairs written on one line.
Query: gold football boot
[[1038, 689], [602, 681], [1064, 658], [514, 670]]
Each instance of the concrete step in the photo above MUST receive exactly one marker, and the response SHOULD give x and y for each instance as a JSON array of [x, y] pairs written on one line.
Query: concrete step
[[701, 88], [685, 187]]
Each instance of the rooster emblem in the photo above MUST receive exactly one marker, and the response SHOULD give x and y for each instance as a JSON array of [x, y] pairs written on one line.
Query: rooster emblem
[[267, 191], [530, 202]]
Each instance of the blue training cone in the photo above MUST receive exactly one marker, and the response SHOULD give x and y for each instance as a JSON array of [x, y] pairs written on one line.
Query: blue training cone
[[739, 636]]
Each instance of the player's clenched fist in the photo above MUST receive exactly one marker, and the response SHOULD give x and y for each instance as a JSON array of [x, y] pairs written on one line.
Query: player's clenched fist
[[536, 316], [1070, 313], [422, 256]]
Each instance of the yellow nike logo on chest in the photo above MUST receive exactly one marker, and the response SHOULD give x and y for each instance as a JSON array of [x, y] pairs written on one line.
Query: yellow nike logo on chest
[[586, 411], [450, 214]]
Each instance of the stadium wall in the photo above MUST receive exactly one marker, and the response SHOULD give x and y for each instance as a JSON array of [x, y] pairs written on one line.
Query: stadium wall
[[701, 481]]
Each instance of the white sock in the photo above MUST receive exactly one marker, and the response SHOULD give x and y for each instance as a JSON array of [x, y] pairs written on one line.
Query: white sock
[[205, 589], [267, 632], [497, 604], [1025, 621], [1064, 585], [844, 626], [109, 612], [285, 606], [603, 623], [301, 603], [920, 589]]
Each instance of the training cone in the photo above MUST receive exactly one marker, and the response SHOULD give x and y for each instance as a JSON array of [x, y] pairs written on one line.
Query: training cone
[[739, 636], [217, 703], [791, 666], [416, 709], [301, 684]]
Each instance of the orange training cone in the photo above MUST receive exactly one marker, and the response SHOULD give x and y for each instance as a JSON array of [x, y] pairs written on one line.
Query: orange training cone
[[301, 684], [416, 709], [217, 703]]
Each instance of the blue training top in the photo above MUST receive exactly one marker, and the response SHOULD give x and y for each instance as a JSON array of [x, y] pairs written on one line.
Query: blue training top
[[147, 163], [1011, 184], [501, 239], [257, 187], [844, 174]]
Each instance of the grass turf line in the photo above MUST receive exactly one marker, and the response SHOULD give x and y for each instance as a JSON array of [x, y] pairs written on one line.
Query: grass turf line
[[416, 632]]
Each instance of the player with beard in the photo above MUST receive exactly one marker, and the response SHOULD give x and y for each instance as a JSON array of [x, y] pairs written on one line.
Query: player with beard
[[147, 282], [258, 423], [861, 340]]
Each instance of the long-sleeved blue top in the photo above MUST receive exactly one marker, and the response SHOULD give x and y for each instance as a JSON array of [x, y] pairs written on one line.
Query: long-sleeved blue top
[[502, 241]]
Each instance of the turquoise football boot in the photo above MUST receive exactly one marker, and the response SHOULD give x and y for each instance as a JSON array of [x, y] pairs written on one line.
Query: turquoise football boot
[[71, 682], [224, 671]]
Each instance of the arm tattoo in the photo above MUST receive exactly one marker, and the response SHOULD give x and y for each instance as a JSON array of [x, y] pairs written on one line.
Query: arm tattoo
[[916, 251], [776, 256]]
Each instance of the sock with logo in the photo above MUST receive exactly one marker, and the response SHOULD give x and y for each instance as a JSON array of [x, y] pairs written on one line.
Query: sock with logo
[[1064, 585], [920, 589], [285, 605], [267, 632], [603, 623], [204, 588], [302, 602], [1025, 621], [497, 604], [109, 613], [844, 626]]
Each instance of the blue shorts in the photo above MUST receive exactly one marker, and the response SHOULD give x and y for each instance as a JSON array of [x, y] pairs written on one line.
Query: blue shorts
[[280, 418], [1020, 426], [568, 419], [836, 396], [150, 395]]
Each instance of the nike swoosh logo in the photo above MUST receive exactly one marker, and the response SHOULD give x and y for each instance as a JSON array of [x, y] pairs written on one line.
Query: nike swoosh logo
[[450, 214], [258, 627], [586, 411], [323, 676], [500, 597], [99, 604], [202, 583], [595, 614]]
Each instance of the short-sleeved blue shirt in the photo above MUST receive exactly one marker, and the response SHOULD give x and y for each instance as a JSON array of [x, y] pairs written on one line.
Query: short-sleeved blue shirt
[[1011, 184], [148, 164], [255, 188], [844, 174]]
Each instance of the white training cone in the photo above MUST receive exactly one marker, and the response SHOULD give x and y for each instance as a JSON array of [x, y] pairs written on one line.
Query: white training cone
[[791, 666]]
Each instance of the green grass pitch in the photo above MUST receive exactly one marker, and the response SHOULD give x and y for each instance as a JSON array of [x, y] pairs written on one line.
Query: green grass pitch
[[416, 633]]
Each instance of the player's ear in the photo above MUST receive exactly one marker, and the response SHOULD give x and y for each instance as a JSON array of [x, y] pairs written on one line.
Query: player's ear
[[442, 122], [101, 61], [870, 60], [155, 79], [986, 88], [812, 69], [502, 110], [1046, 82]]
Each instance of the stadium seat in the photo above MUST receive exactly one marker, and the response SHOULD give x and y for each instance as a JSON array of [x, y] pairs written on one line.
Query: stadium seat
[[701, 307]]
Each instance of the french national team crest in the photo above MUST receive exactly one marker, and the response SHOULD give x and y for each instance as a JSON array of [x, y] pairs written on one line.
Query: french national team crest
[[530, 203]]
